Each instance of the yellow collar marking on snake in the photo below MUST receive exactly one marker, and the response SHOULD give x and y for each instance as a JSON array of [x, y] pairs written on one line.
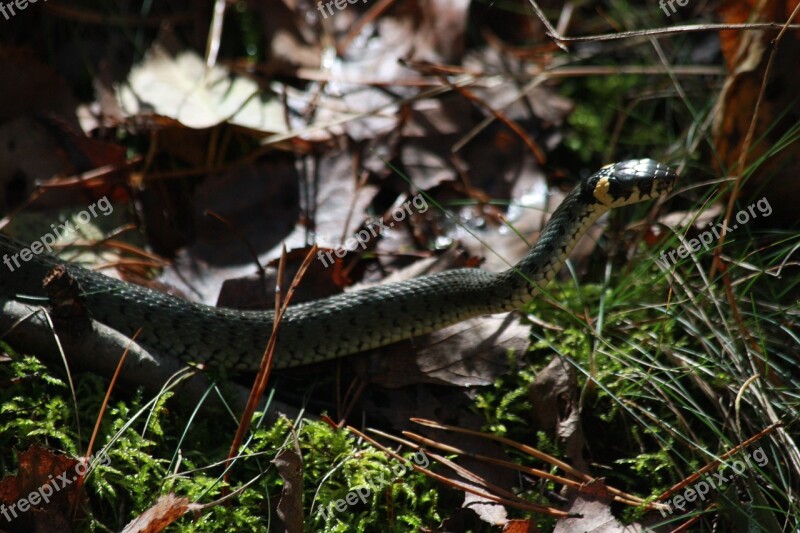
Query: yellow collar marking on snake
[[601, 192]]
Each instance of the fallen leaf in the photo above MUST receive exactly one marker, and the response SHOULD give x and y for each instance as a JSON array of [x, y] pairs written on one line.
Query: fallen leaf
[[290, 508], [164, 512], [182, 88], [596, 518], [747, 54], [263, 214], [520, 526], [488, 511], [468, 354], [41, 496], [554, 395]]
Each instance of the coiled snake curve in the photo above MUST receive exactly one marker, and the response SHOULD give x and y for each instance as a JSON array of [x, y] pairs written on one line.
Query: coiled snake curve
[[351, 322]]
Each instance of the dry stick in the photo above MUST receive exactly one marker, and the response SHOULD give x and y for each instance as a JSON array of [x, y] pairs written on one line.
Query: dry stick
[[435, 88], [149, 260], [686, 525], [352, 395], [551, 31], [283, 137], [468, 488], [232, 228], [104, 405], [101, 174], [715, 463], [607, 37], [102, 411], [460, 470], [530, 451], [131, 263], [471, 476], [109, 241], [499, 115], [674, 29], [179, 507], [560, 72], [527, 449], [215, 33], [543, 75], [260, 382], [633, 501]]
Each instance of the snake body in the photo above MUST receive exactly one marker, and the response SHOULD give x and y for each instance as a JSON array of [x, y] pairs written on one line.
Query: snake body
[[351, 322]]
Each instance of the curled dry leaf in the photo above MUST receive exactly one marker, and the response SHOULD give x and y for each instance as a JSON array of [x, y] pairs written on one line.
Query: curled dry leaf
[[164, 512], [290, 508]]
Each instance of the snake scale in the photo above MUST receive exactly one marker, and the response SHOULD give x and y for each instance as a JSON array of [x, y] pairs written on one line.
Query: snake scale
[[351, 322]]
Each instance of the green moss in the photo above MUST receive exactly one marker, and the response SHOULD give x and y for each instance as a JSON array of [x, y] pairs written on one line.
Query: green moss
[[138, 440]]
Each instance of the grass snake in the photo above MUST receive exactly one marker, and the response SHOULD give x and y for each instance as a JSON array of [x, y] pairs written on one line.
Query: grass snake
[[351, 322]]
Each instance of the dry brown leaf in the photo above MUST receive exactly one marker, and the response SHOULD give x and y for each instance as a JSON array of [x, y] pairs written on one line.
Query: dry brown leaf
[[290, 508], [554, 395], [468, 354], [42, 493], [164, 512], [260, 205], [747, 54], [520, 526]]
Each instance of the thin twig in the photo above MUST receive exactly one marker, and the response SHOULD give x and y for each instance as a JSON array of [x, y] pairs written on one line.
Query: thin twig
[[777, 26]]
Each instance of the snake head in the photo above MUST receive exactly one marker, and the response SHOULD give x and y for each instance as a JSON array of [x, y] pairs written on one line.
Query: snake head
[[629, 182]]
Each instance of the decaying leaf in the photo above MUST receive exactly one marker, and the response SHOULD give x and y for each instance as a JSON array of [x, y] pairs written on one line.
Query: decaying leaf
[[290, 508], [489, 512], [41, 496], [597, 518], [165, 511], [748, 55], [471, 353]]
